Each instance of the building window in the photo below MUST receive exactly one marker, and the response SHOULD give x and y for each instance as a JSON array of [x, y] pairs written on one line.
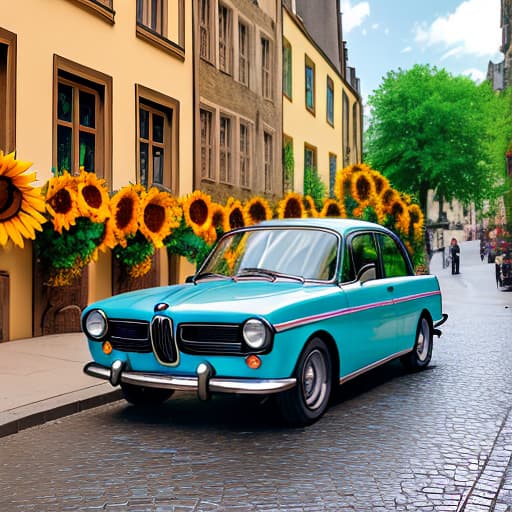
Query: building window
[[207, 165], [245, 154], [82, 119], [7, 91], [225, 39], [287, 69], [330, 101], [355, 129], [103, 8], [310, 85], [225, 150], [268, 147], [153, 27], [205, 29], [333, 162], [309, 157], [266, 74], [288, 162], [157, 139], [345, 127], [243, 54]]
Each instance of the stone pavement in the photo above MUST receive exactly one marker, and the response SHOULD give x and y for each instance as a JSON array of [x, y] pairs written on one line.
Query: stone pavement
[[41, 379]]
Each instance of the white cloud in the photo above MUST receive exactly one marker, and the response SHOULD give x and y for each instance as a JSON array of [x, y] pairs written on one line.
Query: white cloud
[[375, 26], [475, 74], [472, 29], [407, 49], [353, 15]]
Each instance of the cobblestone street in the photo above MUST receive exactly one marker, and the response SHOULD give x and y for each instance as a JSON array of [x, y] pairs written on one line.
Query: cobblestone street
[[438, 440]]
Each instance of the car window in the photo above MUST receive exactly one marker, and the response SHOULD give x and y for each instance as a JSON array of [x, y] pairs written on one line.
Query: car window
[[364, 251], [392, 257]]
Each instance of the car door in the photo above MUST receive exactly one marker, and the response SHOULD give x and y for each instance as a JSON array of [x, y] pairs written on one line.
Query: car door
[[369, 322]]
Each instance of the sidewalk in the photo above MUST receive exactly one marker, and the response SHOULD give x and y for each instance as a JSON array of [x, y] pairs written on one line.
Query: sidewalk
[[41, 379]]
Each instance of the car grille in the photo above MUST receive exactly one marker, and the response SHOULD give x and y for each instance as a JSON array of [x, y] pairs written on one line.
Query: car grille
[[129, 336], [162, 338], [210, 339]]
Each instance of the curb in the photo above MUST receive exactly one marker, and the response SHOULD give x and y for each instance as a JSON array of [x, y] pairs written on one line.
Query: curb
[[38, 413]]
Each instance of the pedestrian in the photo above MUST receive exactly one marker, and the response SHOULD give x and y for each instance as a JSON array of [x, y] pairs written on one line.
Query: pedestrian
[[482, 250], [455, 256]]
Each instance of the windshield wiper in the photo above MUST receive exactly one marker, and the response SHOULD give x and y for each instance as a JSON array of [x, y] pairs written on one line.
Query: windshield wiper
[[206, 275], [272, 274]]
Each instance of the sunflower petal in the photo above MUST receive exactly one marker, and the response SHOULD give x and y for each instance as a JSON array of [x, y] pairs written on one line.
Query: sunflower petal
[[14, 234], [3, 235]]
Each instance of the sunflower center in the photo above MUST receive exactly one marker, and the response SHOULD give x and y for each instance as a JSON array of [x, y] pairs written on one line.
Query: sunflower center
[[333, 210], [92, 196], [218, 219], [61, 202], [257, 212], [154, 217], [363, 188], [397, 209], [124, 212], [236, 219], [199, 212], [292, 209], [10, 199]]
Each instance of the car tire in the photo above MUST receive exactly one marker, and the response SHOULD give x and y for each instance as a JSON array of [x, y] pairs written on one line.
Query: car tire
[[308, 400], [421, 354], [144, 396]]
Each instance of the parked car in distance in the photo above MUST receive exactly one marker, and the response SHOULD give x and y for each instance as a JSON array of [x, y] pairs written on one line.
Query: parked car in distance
[[289, 307]]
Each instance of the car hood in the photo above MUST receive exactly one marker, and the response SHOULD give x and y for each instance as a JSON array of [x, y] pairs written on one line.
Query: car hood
[[215, 300]]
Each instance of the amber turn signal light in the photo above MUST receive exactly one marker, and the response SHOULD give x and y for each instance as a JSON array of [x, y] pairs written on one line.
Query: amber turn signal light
[[253, 362], [107, 347]]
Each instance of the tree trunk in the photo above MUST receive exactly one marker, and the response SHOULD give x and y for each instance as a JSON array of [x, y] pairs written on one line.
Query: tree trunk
[[423, 196]]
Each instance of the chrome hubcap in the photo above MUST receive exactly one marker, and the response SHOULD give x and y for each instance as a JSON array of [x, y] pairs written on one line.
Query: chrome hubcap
[[422, 345], [314, 379]]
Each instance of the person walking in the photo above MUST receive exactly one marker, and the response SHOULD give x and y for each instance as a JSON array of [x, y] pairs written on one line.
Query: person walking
[[455, 256]]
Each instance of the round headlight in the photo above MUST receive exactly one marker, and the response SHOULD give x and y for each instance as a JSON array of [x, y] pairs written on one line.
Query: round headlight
[[255, 333], [96, 324]]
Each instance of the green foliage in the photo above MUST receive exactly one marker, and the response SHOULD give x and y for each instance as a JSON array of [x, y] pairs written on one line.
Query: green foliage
[[137, 249], [288, 164], [184, 242], [314, 186], [431, 130], [61, 251]]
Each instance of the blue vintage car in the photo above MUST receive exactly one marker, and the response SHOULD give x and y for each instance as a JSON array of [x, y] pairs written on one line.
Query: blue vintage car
[[290, 307]]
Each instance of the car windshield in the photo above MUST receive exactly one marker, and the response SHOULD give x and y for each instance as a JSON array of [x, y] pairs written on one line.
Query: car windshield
[[275, 253]]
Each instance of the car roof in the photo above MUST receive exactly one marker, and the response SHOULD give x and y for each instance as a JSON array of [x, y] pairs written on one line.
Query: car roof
[[342, 226]]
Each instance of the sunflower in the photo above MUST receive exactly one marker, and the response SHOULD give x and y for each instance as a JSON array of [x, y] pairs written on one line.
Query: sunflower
[[92, 197], [124, 211], [387, 198], [381, 182], [310, 207], [61, 201], [256, 210], [20, 203], [331, 208], [416, 221], [401, 216], [363, 187], [218, 216], [110, 240], [197, 212], [234, 215], [290, 206], [158, 215]]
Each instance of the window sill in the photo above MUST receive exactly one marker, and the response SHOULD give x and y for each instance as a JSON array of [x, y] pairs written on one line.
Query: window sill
[[161, 42], [101, 10]]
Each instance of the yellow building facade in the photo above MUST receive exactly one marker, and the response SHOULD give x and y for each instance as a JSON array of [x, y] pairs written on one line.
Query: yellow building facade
[[321, 111], [102, 84]]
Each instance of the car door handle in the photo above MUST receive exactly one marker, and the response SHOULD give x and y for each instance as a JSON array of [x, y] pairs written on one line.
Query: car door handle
[[390, 288]]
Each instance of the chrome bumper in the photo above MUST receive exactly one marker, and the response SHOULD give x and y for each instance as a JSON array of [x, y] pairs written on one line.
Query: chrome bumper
[[204, 384]]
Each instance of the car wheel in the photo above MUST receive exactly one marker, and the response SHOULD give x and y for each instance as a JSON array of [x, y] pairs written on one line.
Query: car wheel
[[142, 396], [308, 400], [422, 353]]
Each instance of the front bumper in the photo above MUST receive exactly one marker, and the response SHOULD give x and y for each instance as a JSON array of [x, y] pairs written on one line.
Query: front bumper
[[204, 383]]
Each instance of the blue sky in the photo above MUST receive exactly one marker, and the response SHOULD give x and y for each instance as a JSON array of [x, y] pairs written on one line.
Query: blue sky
[[383, 35]]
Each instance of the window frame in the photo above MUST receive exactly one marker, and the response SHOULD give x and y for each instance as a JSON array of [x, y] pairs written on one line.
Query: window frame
[[345, 127], [225, 46], [244, 56], [8, 92], [287, 69], [245, 154], [226, 150], [209, 147], [160, 38], [332, 175], [329, 101], [314, 152], [165, 104], [103, 85], [102, 8], [268, 161], [206, 17], [309, 64], [266, 67]]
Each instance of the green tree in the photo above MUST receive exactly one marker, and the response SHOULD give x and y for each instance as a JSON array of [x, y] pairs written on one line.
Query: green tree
[[314, 186], [432, 130]]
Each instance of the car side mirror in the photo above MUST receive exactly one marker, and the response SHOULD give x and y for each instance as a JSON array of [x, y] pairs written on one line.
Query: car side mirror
[[367, 272]]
